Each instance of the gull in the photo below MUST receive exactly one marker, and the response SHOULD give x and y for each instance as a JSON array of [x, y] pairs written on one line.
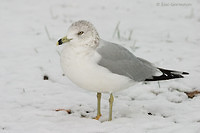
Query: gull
[[104, 67]]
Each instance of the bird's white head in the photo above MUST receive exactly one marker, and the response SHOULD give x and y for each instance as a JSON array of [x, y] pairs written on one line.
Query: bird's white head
[[81, 33]]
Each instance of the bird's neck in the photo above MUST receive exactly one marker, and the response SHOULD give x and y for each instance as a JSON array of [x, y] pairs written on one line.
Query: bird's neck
[[78, 49]]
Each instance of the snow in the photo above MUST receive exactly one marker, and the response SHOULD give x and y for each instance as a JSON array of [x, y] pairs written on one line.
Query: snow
[[165, 35]]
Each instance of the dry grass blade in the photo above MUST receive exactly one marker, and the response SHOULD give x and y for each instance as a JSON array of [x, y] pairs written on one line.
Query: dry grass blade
[[66, 110]]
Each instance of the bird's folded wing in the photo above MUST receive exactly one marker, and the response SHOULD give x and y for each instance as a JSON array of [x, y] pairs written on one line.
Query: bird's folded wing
[[121, 61]]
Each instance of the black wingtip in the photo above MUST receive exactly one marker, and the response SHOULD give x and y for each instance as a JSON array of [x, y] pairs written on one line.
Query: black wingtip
[[185, 73], [167, 75]]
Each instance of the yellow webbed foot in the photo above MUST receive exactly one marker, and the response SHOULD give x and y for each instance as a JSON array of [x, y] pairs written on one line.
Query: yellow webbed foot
[[97, 117]]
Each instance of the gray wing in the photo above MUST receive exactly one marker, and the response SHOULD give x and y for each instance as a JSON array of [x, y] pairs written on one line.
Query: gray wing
[[120, 61]]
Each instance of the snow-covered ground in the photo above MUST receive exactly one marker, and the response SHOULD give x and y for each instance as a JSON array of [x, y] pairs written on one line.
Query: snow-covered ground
[[167, 34]]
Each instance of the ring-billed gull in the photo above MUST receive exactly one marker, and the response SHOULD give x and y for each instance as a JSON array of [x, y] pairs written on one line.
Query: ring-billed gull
[[104, 67]]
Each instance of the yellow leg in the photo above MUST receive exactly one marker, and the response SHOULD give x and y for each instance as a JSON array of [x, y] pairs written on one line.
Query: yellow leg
[[111, 100], [98, 106]]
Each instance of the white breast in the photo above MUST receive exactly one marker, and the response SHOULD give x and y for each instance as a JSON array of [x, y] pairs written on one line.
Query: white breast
[[80, 65]]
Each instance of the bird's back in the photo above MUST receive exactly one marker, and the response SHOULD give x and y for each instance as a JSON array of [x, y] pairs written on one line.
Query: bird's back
[[120, 60]]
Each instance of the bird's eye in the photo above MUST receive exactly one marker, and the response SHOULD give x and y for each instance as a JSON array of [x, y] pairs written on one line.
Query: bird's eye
[[80, 33]]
